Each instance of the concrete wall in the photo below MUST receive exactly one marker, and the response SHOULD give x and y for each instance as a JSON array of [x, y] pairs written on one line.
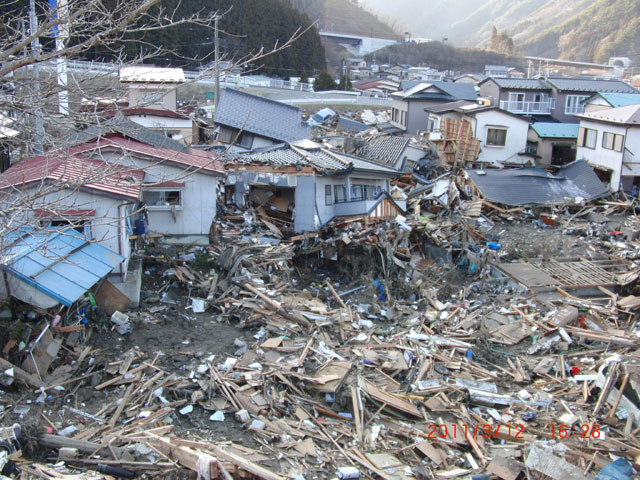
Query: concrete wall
[[611, 160], [198, 197], [516, 139]]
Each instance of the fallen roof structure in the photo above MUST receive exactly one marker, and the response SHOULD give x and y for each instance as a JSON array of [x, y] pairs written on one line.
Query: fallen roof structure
[[50, 268], [526, 186]]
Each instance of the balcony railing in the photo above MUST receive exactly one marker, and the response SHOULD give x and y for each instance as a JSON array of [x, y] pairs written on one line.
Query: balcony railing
[[528, 107]]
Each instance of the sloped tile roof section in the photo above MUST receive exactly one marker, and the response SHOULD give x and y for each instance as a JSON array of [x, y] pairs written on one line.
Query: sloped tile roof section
[[120, 124], [260, 116], [556, 130], [76, 172], [449, 91], [303, 154], [588, 85], [384, 149], [62, 265], [202, 160], [536, 186], [629, 115], [519, 83]]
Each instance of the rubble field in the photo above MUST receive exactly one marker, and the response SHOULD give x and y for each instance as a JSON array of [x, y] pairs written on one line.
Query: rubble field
[[460, 341]]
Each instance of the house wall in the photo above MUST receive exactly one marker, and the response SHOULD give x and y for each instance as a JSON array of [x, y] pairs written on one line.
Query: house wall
[[491, 90], [611, 160], [228, 135], [561, 100], [544, 150], [198, 197], [596, 104], [140, 94], [186, 128], [516, 139]]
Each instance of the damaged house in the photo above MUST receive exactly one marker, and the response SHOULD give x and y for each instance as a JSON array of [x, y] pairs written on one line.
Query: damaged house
[[306, 185], [251, 121], [67, 226]]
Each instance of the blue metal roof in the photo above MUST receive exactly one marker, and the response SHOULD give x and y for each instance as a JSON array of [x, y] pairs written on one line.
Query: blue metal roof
[[63, 265], [556, 130], [620, 99]]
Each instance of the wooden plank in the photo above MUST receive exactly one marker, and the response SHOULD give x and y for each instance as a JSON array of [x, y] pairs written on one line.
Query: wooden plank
[[391, 400]]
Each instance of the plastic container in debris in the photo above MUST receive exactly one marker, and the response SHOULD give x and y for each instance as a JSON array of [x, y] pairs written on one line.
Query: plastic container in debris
[[140, 226], [121, 321], [348, 472], [493, 245]]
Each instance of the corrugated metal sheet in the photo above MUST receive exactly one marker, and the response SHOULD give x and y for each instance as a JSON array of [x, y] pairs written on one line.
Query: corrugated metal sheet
[[63, 265], [590, 85]]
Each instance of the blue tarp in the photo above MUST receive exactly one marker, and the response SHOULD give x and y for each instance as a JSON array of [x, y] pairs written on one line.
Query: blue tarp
[[62, 265]]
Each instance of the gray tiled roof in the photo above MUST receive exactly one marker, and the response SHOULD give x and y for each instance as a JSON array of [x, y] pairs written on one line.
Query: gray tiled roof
[[519, 83], [260, 116], [285, 155], [590, 85], [458, 91], [526, 186], [349, 125], [383, 149], [447, 107], [121, 124]]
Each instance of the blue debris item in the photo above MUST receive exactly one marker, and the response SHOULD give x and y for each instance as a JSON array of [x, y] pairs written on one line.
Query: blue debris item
[[329, 397], [470, 354], [620, 469], [383, 296], [141, 227], [63, 265], [494, 246]]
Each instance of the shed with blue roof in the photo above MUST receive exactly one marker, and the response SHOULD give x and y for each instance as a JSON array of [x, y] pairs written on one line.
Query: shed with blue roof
[[552, 143]]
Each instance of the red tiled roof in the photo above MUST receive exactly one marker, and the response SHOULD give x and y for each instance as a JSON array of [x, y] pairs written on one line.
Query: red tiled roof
[[76, 172], [194, 159]]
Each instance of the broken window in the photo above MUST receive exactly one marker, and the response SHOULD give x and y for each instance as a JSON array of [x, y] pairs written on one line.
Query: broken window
[[497, 137], [328, 199], [612, 141], [162, 199]]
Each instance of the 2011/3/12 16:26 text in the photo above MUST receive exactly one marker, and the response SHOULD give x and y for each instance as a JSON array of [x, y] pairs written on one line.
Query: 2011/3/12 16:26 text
[[517, 431]]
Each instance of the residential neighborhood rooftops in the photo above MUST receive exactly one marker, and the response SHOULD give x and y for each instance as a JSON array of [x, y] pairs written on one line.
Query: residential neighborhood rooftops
[[618, 99], [555, 130], [75, 171], [590, 85], [628, 115], [518, 83], [260, 116], [307, 153]]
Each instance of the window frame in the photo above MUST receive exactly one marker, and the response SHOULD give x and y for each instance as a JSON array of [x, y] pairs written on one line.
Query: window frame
[[578, 100], [328, 195], [616, 139], [583, 138], [179, 206], [496, 145], [336, 197]]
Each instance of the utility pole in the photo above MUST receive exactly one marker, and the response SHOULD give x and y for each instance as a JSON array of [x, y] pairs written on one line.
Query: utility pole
[[217, 62], [35, 52], [62, 34]]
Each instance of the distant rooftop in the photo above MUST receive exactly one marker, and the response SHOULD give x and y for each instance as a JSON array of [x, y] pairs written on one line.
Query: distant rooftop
[[590, 85], [628, 115], [151, 74], [519, 83], [619, 99], [260, 116]]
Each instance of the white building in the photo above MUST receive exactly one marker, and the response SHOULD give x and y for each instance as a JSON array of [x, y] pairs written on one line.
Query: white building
[[609, 140]]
